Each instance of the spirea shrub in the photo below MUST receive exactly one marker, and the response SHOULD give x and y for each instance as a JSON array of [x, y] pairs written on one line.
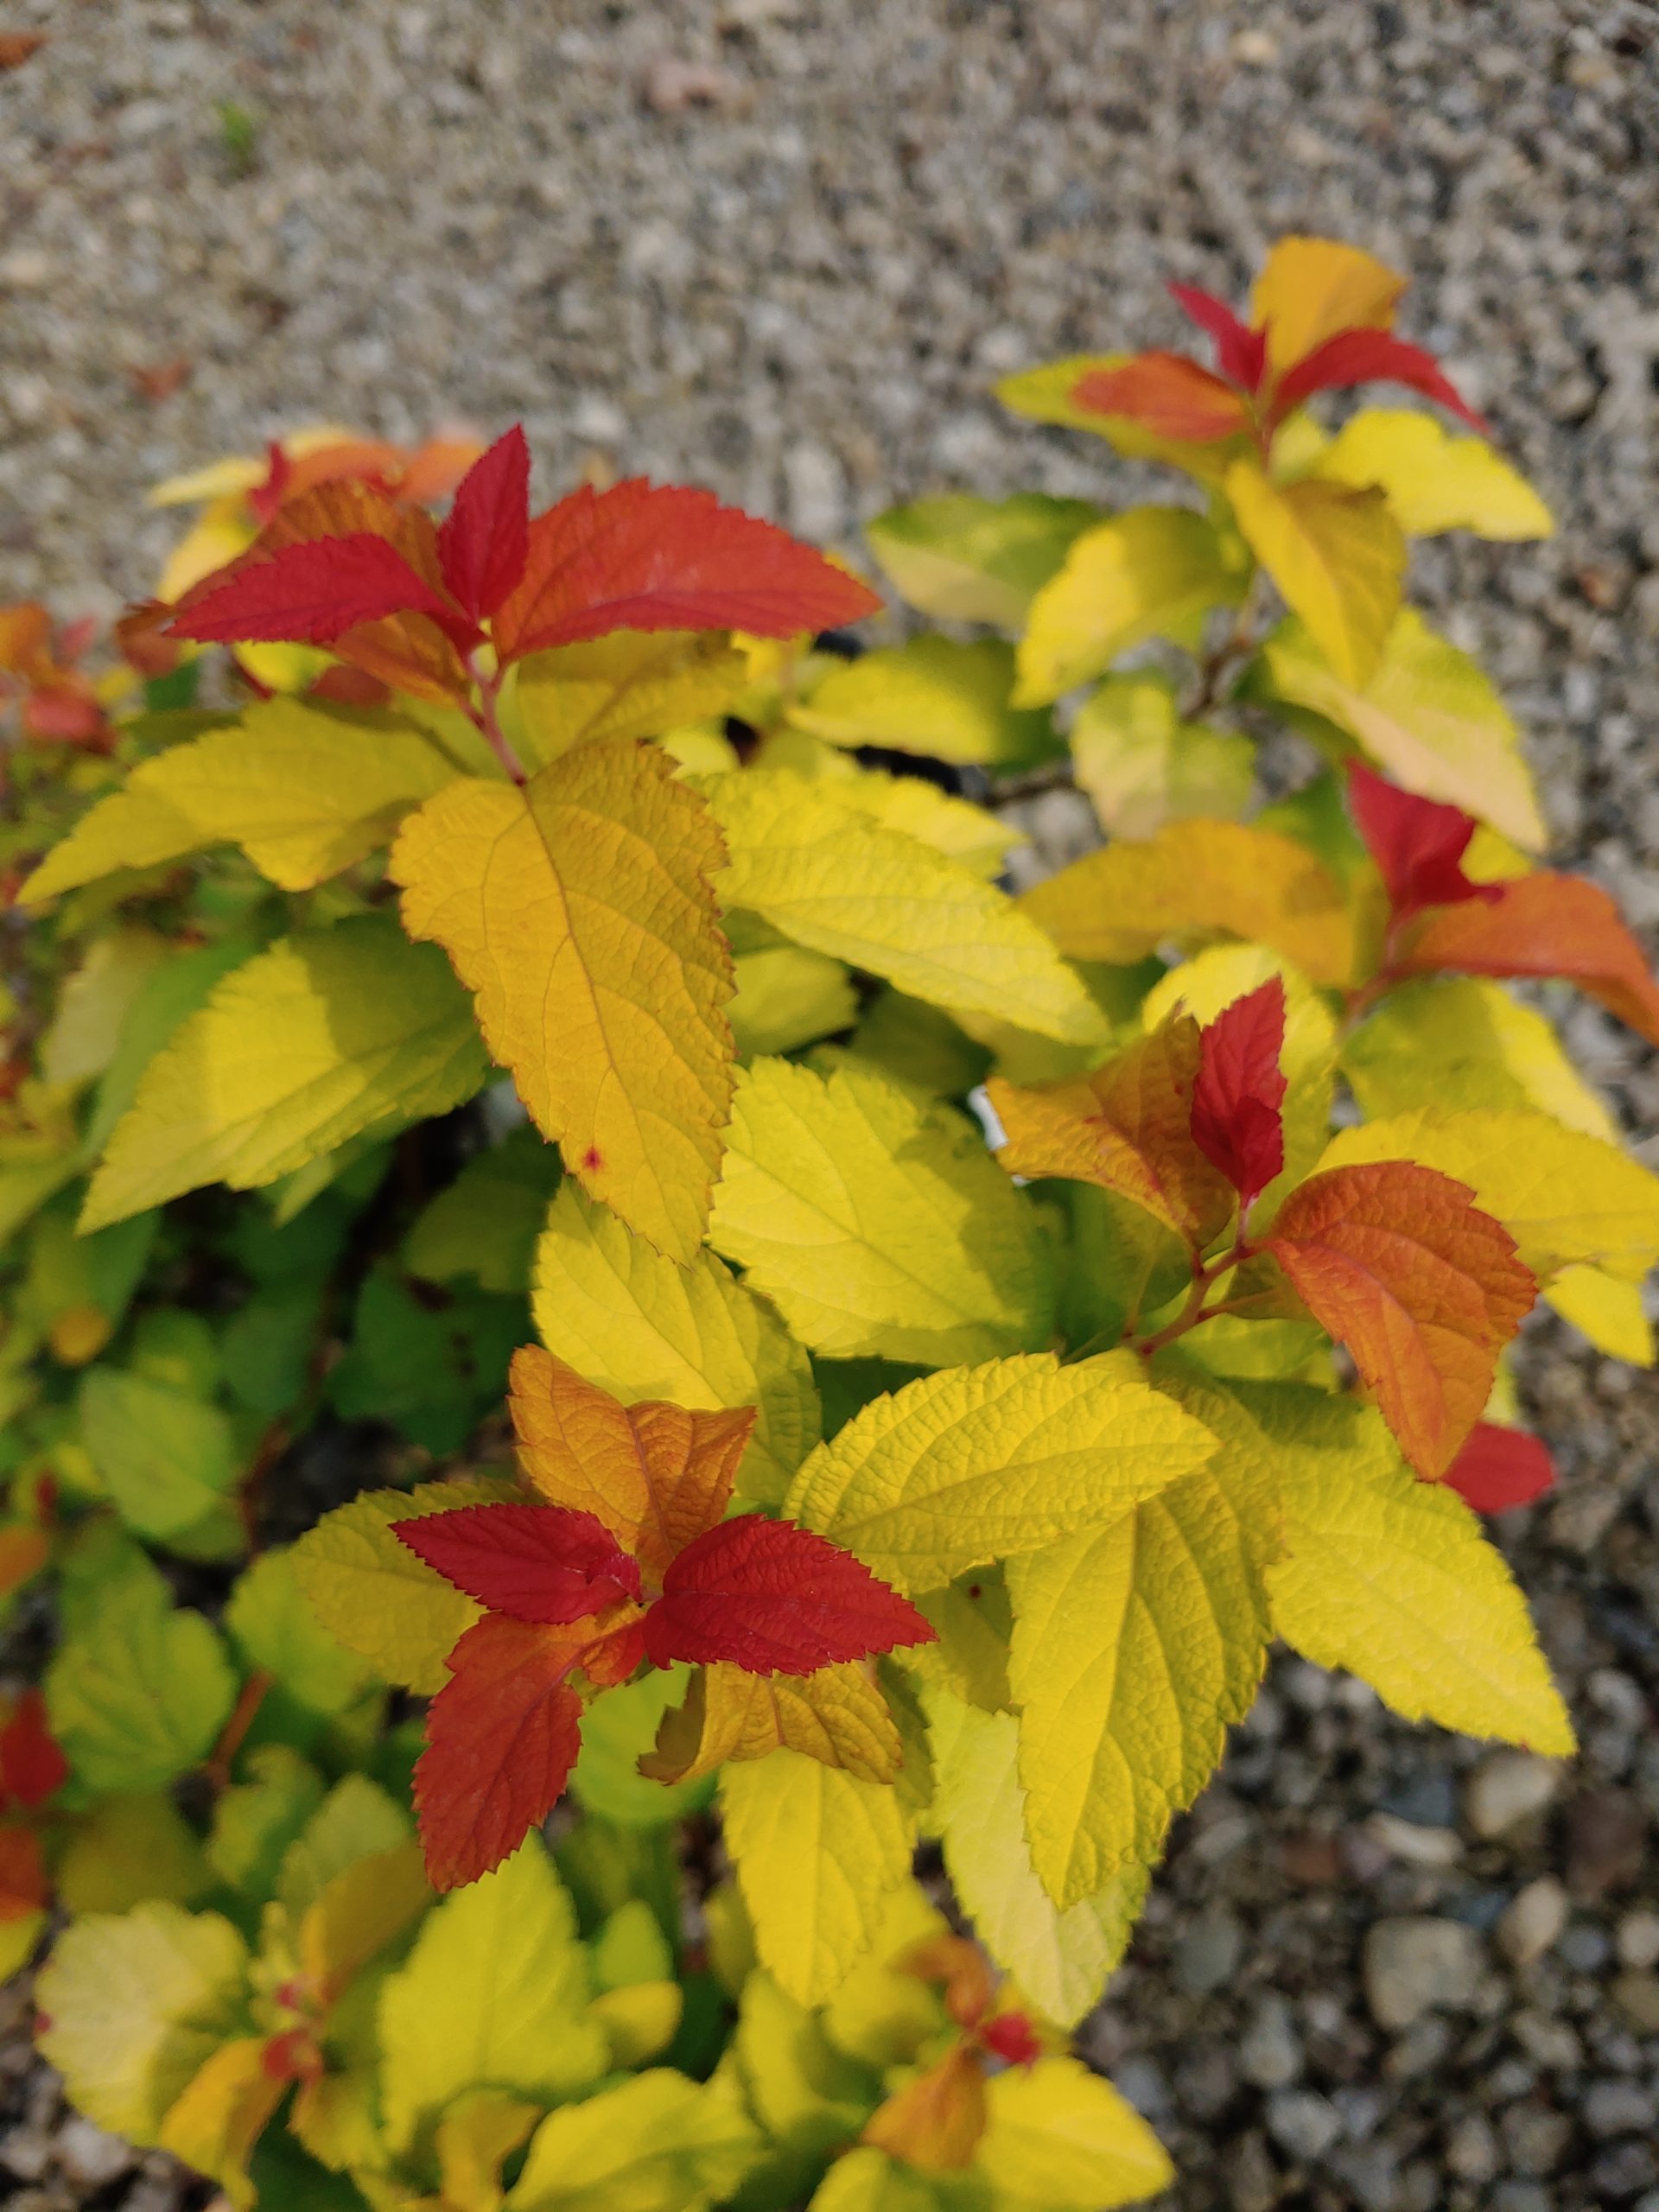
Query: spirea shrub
[[611, 1347]]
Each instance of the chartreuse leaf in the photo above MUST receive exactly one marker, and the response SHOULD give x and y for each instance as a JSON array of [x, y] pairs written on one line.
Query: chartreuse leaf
[[932, 696], [867, 2180], [135, 2004], [1427, 714], [659, 2143], [128, 1849], [1607, 1310], [787, 997], [875, 1222], [1060, 2138], [375, 1596], [969, 835], [485, 1223], [275, 1627], [166, 1456], [95, 1000], [1142, 765], [1456, 1042], [809, 2097], [257, 1819], [802, 856], [1150, 572], [618, 1729], [476, 2138], [1433, 480], [1043, 395], [577, 910], [988, 1462], [1133, 1648], [330, 1032], [493, 1995], [1337, 555], [137, 1694], [1060, 1960], [630, 1320], [1195, 882], [634, 683], [818, 1853], [1392, 1578], [214, 2125], [1566, 1199], [357, 1820], [303, 789], [969, 560]]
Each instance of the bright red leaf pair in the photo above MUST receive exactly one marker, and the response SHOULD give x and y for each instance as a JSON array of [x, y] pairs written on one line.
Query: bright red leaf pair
[[1542, 925], [628, 1559], [409, 602], [31, 1769]]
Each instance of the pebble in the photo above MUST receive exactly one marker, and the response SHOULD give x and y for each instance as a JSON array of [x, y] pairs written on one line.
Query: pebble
[[1419, 1965], [1506, 1789], [1418, 1846], [1269, 2050], [1303, 2123], [1533, 1921], [1636, 1939], [1637, 1996], [1607, 1842], [1207, 1953], [1620, 2108], [1537, 2138], [1472, 2151], [90, 2157]]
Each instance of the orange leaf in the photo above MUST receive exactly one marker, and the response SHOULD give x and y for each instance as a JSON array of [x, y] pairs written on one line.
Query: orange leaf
[[1396, 1261], [1168, 395], [1127, 1127], [24, 1550], [935, 2121], [655, 1474], [837, 1716], [1540, 924]]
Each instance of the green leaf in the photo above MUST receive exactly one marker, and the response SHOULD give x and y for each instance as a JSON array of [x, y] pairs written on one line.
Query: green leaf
[[493, 1995], [1142, 765], [932, 696], [626, 1318], [330, 1032], [989, 1462], [129, 1849], [656, 2144], [484, 1225], [137, 1694], [969, 560], [274, 1626], [255, 1820], [867, 2180], [875, 1222], [433, 1371], [787, 997], [178, 986], [166, 1458], [356, 1820], [616, 1729]]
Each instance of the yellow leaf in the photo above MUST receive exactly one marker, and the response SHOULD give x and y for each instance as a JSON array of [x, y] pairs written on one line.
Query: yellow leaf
[[1392, 1578], [375, 1595], [1194, 881], [578, 912], [630, 1320], [878, 1223], [1060, 2138], [330, 1032], [1609, 1312], [1565, 1197], [221, 2115], [95, 1001], [1456, 1042], [932, 696], [1043, 395], [989, 1462], [808, 860], [363, 1909], [1427, 714], [304, 791], [136, 2004], [978, 839], [476, 2137], [1311, 288], [865, 2179], [1060, 1960], [1142, 765], [1135, 1647], [837, 1716], [1148, 573], [1433, 479], [659, 2143], [973, 1624], [634, 683], [494, 1994], [818, 1854], [356, 1820], [1337, 555], [969, 560], [787, 997]]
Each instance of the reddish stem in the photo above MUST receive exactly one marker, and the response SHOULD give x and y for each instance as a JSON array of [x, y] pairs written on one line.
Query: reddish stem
[[489, 722], [1204, 1273], [217, 1765]]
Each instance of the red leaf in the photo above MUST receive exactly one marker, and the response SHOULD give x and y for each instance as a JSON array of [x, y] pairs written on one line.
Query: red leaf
[[1238, 1098], [775, 1600], [312, 592], [1168, 395], [1367, 357], [23, 1886], [31, 1765], [644, 556], [537, 1562], [501, 1739], [1012, 2038], [1417, 843], [1500, 1467], [1241, 352], [1396, 1261], [483, 542], [1541, 925]]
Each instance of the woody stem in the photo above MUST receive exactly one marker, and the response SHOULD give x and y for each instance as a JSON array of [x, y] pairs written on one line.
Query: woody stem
[[1204, 1273]]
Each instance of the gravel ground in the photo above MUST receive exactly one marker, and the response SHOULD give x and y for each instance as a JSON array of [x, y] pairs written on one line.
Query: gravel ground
[[781, 247]]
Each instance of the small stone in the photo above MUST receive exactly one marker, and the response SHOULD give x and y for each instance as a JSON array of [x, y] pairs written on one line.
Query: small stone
[[1417, 1846], [1608, 1839], [1269, 2050], [1140, 2080], [1311, 1859], [1207, 1955], [1637, 1939], [1620, 2108], [1533, 1921], [1537, 2138], [89, 2157], [1303, 2123], [1419, 1965], [1508, 1788], [1522, 2196], [1253, 2180], [1637, 1996], [671, 85], [817, 491], [1472, 2151], [26, 2152], [1586, 1948], [1623, 2170]]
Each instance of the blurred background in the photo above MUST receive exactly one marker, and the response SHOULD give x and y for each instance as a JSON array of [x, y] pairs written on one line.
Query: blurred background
[[783, 248]]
